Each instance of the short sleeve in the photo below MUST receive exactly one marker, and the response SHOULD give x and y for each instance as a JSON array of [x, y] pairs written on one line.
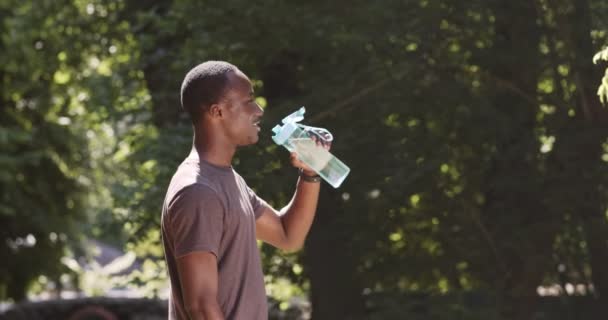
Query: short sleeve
[[196, 220], [258, 204]]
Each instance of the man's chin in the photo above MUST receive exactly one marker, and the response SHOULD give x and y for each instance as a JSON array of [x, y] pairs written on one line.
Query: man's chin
[[251, 141]]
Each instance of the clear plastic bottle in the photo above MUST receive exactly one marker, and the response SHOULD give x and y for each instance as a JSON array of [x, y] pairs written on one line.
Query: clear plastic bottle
[[296, 138]]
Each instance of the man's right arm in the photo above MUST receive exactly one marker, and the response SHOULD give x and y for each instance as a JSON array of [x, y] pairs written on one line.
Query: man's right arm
[[196, 223], [199, 280]]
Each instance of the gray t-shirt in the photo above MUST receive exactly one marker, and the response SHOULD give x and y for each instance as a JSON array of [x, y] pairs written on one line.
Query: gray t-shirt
[[211, 208]]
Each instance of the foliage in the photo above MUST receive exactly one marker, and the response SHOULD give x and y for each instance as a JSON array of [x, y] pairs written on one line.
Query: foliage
[[477, 151], [602, 90], [68, 94]]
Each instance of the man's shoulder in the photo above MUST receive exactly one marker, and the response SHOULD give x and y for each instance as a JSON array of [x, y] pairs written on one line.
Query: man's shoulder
[[189, 180], [194, 192]]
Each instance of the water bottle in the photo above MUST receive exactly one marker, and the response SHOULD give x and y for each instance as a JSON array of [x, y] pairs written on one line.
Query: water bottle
[[296, 138]]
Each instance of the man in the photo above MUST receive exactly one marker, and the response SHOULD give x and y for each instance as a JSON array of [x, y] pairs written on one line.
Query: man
[[211, 218]]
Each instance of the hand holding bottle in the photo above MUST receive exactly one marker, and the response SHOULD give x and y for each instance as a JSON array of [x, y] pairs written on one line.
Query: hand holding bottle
[[311, 145]]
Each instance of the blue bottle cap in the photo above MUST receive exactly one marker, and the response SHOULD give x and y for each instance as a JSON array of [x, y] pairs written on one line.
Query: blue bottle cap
[[282, 133]]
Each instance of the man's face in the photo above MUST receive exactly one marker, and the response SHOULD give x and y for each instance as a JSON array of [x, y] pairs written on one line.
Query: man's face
[[241, 113]]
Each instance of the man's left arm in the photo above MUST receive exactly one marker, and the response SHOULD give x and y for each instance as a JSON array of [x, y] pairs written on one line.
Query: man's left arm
[[288, 228]]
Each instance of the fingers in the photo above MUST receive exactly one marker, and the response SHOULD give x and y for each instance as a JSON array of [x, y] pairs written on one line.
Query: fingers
[[327, 145], [295, 161], [326, 136], [322, 141]]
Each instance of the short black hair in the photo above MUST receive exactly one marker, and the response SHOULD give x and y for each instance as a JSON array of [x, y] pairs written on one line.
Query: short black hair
[[203, 86]]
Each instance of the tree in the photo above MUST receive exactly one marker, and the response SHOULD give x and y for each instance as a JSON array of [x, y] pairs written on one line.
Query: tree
[[468, 201], [473, 131], [65, 100], [42, 196]]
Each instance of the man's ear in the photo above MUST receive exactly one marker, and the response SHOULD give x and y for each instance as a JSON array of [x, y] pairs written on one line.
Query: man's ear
[[215, 110]]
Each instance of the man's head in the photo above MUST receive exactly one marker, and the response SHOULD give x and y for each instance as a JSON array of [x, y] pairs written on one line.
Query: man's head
[[219, 94], [203, 86]]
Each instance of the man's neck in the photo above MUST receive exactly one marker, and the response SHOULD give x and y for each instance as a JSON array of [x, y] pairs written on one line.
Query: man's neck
[[213, 151]]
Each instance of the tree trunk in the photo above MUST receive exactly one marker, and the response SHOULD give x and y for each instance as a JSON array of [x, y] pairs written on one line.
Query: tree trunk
[[514, 213], [595, 118], [335, 291], [162, 82]]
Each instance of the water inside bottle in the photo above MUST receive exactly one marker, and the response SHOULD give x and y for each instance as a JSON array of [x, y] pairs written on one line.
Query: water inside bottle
[[320, 160], [314, 156]]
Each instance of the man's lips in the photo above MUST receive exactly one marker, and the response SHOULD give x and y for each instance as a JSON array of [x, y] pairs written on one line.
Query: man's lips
[[257, 124]]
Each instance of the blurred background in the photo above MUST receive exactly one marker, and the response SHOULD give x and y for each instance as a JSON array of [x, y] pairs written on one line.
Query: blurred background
[[475, 131]]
